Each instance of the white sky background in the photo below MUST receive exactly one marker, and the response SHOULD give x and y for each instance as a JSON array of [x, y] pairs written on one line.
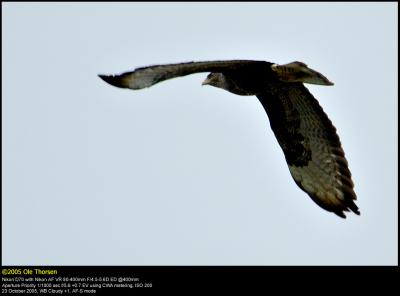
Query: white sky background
[[180, 174]]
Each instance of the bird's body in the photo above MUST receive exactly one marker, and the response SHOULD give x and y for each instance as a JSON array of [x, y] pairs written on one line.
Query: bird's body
[[307, 137]]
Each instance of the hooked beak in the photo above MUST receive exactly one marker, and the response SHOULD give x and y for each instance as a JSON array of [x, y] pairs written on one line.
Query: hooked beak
[[206, 81]]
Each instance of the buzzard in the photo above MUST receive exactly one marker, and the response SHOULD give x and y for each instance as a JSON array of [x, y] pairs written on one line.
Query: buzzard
[[307, 137]]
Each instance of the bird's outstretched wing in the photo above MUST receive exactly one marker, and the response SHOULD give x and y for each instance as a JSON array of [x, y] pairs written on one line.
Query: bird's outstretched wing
[[147, 76], [311, 146]]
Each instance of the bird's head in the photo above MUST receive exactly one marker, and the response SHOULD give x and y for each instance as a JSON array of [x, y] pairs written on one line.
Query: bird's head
[[227, 82], [215, 79]]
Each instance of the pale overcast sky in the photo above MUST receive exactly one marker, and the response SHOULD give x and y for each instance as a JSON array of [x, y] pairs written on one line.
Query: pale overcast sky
[[180, 174]]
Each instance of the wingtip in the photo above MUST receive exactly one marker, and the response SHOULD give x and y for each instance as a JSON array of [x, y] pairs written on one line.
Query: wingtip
[[340, 214], [352, 207], [357, 212], [113, 80]]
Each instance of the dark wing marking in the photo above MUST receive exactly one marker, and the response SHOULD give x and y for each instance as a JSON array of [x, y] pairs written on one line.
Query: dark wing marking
[[311, 146], [148, 76]]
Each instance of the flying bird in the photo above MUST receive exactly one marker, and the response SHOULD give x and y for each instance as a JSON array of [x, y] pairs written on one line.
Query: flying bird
[[306, 135]]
